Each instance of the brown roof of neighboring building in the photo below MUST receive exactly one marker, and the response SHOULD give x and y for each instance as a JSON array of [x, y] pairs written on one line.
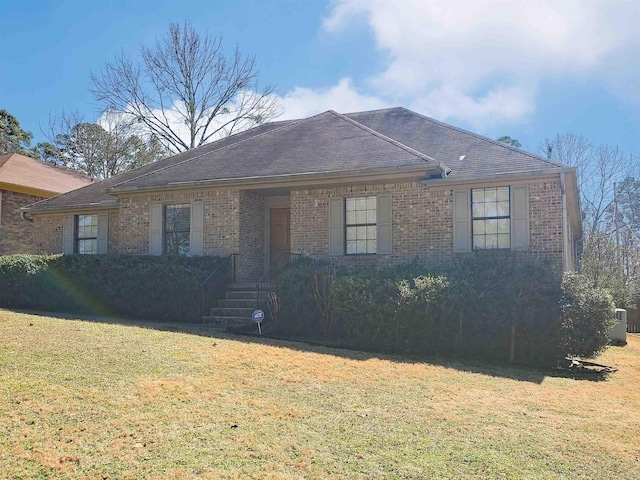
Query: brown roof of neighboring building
[[28, 173]]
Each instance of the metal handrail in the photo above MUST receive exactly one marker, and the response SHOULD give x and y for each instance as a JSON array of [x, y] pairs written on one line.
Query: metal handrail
[[215, 283]]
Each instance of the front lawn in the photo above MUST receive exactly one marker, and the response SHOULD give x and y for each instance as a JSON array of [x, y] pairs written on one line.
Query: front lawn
[[82, 399]]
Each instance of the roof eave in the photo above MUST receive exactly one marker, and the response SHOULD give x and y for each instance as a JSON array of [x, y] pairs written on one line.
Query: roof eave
[[522, 174], [288, 179], [28, 190], [104, 205]]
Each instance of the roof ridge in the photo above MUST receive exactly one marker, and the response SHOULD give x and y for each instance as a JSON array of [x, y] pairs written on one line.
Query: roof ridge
[[396, 143], [287, 124], [481, 137]]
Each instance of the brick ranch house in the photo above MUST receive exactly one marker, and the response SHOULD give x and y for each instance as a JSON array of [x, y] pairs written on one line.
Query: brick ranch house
[[23, 181], [381, 187]]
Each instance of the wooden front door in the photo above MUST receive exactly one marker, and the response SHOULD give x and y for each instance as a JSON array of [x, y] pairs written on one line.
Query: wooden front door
[[280, 238]]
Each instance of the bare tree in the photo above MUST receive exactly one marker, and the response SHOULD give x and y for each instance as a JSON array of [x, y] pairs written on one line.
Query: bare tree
[[100, 150], [610, 248], [186, 90], [599, 168]]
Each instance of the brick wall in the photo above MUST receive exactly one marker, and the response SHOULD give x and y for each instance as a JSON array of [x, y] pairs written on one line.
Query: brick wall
[[545, 218], [421, 219], [221, 209], [48, 233], [422, 222], [234, 222], [16, 235], [252, 237]]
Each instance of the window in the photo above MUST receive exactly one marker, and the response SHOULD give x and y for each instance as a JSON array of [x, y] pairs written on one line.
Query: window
[[361, 231], [86, 230], [177, 219], [491, 215]]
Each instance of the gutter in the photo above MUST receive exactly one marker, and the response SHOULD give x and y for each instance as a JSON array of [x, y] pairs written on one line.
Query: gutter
[[500, 176], [565, 231], [71, 208], [293, 179]]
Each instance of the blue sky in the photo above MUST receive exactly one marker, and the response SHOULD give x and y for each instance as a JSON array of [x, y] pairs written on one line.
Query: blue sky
[[524, 69]]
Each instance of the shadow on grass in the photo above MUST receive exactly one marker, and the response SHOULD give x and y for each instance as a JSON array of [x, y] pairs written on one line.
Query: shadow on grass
[[523, 373]]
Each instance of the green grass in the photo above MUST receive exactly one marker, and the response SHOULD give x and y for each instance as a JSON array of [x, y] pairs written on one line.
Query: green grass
[[82, 399]]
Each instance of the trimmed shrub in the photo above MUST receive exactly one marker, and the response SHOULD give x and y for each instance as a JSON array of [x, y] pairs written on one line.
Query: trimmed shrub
[[507, 305], [297, 313], [497, 305], [587, 316], [159, 288]]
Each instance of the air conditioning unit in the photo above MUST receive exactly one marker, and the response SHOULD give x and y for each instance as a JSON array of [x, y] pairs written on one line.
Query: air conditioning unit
[[618, 333]]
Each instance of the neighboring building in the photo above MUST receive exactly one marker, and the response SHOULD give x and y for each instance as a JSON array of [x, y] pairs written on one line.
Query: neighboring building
[[380, 187], [23, 181]]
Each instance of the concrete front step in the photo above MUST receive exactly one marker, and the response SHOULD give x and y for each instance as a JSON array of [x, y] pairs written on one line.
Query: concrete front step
[[247, 286], [236, 308], [232, 312], [240, 294], [237, 303], [223, 322]]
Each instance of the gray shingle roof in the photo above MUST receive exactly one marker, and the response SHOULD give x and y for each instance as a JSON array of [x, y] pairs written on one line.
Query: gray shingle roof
[[447, 144], [96, 193], [326, 143]]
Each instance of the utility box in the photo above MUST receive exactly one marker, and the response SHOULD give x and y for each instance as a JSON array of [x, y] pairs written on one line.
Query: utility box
[[618, 333]]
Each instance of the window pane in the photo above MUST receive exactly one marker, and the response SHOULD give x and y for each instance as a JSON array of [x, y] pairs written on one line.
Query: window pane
[[503, 209], [372, 232], [491, 232], [503, 194], [478, 241], [478, 195], [371, 203], [351, 204], [371, 246], [504, 240], [177, 243], [361, 211], [88, 246], [177, 218], [490, 210], [86, 234], [478, 210]]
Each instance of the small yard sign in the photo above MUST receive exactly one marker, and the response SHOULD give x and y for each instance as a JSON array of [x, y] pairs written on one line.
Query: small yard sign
[[258, 316]]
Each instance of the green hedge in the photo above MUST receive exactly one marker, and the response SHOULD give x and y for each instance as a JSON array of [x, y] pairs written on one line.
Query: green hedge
[[587, 316], [496, 305], [159, 288]]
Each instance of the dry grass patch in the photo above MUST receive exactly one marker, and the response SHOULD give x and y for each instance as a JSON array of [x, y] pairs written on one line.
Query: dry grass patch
[[93, 400]]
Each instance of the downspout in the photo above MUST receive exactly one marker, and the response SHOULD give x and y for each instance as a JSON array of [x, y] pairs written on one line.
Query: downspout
[[576, 250], [565, 234]]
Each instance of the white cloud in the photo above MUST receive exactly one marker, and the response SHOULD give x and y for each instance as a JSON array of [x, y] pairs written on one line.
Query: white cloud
[[482, 61], [343, 97]]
